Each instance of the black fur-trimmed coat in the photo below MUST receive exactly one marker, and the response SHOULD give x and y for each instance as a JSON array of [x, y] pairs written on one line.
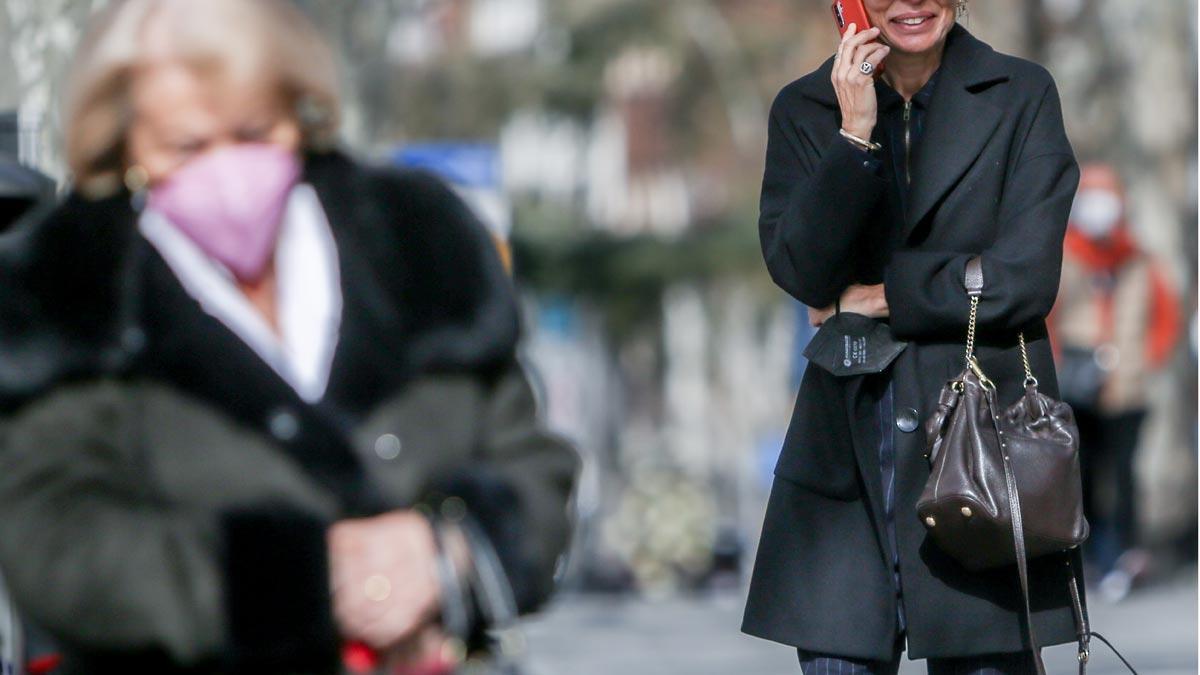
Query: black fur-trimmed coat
[[165, 494]]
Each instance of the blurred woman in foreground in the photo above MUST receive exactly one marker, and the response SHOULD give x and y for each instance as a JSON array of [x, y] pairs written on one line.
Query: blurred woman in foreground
[[270, 403]]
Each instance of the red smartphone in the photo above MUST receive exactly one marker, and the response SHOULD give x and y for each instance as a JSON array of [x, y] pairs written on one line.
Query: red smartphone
[[847, 12]]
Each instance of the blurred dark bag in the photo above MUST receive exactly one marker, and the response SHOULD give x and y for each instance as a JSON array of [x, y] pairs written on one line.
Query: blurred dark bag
[[1080, 377], [853, 344], [1004, 484], [485, 604], [493, 597]]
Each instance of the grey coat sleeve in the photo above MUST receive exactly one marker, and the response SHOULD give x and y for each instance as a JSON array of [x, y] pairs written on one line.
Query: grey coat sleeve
[[519, 488], [542, 469], [112, 569], [89, 554]]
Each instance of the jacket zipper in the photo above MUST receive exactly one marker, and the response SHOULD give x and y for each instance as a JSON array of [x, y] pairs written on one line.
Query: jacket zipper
[[907, 142]]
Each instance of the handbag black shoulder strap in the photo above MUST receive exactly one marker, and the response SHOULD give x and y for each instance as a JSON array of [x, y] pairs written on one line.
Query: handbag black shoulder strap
[[973, 281], [1014, 507]]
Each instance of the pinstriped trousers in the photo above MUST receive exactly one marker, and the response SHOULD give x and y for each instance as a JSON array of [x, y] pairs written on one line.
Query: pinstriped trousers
[[1015, 663]]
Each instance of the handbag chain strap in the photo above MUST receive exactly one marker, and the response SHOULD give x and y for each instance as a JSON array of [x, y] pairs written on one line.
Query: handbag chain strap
[[1030, 380], [974, 284]]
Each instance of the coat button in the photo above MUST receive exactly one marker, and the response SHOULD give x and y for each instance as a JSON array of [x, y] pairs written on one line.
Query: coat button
[[133, 339], [388, 447], [284, 425], [907, 421]]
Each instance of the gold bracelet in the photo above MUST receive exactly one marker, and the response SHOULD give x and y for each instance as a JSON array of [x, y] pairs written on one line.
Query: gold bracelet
[[865, 145]]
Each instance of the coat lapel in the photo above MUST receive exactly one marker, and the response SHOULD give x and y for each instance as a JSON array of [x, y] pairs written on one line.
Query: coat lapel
[[958, 125], [367, 361]]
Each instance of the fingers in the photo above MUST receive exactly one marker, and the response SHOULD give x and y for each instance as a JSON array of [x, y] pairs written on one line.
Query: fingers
[[873, 53], [383, 609], [838, 56], [817, 317], [384, 577], [848, 60], [426, 647]]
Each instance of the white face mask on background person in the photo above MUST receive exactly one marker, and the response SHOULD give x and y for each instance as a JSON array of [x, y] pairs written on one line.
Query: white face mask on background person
[[1096, 213]]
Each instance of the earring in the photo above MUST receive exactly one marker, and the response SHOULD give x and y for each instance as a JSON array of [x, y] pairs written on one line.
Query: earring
[[961, 8], [136, 178]]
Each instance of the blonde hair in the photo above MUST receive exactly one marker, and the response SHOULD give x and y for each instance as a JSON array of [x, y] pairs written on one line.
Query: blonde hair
[[262, 41]]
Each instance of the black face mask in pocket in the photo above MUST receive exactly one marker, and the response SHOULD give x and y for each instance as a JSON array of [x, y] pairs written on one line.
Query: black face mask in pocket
[[851, 344]]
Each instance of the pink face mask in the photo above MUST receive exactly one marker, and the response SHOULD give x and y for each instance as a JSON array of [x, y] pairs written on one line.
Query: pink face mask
[[230, 202]]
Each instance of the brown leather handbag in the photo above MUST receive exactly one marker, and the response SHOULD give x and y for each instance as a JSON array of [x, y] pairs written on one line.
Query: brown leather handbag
[[1004, 484]]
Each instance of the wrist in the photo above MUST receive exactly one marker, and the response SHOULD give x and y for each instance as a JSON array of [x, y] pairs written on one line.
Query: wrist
[[881, 303], [861, 129], [862, 143]]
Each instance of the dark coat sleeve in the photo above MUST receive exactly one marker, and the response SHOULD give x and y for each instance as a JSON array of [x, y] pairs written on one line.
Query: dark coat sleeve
[[925, 290], [817, 196], [520, 489]]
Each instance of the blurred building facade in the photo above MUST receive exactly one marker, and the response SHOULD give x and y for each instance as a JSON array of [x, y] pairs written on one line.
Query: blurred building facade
[[630, 135]]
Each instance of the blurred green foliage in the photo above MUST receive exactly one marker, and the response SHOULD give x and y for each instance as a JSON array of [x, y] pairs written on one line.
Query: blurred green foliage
[[625, 276]]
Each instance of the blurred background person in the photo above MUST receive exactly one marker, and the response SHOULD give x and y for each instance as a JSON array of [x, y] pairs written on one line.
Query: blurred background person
[[1117, 320], [22, 187], [270, 413]]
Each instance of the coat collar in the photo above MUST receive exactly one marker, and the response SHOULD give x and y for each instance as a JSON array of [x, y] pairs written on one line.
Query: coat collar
[[969, 60], [957, 126], [73, 306]]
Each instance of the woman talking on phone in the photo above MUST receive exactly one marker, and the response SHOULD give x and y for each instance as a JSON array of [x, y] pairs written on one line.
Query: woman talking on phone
[[911, 151]]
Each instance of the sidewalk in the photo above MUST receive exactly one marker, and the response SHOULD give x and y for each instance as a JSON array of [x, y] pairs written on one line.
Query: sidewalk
[[589, 635]]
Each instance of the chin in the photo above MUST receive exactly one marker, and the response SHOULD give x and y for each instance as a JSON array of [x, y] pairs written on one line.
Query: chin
[[909, 45]]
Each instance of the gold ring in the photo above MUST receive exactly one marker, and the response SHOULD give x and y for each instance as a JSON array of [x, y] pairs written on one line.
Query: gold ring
[[377, 588]]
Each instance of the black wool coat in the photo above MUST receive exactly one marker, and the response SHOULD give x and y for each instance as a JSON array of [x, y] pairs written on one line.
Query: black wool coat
[[993, 175], [166, 495]]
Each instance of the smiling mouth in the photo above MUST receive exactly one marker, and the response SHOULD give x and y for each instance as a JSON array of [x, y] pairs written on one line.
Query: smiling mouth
[[912, 20]]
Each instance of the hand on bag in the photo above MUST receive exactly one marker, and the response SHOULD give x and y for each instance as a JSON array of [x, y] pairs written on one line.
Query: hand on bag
[[384, 577], [866, 300], [856, 90]]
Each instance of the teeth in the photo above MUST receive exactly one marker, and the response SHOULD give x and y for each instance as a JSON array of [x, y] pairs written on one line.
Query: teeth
[[913, 22]]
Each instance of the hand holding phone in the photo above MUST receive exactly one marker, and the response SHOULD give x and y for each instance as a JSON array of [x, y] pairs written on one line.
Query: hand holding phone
[[853, 81], [846, 12], [853, 12]]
